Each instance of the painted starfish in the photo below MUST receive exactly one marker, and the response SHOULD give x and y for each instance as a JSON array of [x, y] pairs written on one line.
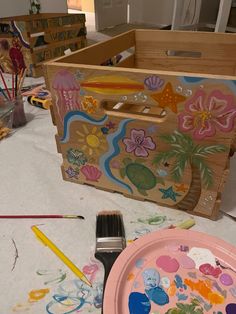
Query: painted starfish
[[181, 188], [167, 98], [169, 193]]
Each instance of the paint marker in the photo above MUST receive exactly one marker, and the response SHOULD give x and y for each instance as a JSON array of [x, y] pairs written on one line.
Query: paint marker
[[38, 102]]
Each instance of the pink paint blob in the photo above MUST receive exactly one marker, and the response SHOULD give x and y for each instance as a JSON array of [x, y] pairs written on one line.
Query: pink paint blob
[[208, 269], [226, 280], [186, 262], [168, 264]]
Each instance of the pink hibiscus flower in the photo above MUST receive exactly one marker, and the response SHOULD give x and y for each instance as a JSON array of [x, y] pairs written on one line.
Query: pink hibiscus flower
[[205, 115], [138, 143]]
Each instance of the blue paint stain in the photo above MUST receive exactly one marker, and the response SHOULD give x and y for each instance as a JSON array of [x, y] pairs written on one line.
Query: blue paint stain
[[113, 151], [231, 308], [157, 295], [139, 303], [139, 263], [78, 303], [105, 130], [78, 116]]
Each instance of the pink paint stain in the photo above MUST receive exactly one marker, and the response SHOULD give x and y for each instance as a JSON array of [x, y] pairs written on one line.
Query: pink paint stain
[[208, 269], [186, 262], [91, 270], [168, 264]]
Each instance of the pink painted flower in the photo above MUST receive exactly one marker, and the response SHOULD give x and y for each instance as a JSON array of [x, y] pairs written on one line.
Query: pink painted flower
[[138, 143], [204, 115]]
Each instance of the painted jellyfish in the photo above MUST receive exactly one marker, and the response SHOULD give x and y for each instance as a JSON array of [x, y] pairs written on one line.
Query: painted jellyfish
[[67, 90]]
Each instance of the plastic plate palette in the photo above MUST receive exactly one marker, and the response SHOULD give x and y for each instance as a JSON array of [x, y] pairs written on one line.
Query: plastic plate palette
[[173, 272]]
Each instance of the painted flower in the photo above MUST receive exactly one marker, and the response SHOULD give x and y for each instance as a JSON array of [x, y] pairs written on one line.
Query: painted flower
[[90, 104], [72, 173], [76, 157], [204, 115], [138, 143]]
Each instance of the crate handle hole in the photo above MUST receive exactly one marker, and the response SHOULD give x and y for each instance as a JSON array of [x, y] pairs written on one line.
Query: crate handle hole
[[183, 54]]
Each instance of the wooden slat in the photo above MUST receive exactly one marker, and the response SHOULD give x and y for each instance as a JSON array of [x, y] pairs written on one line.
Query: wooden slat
[[100, 52], [129, 62], [190, 65], [60, 34], [48, 50], [218, 51]]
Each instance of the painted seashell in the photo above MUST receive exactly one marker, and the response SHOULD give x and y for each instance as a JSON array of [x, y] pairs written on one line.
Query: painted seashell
[[91, 173], [153, 82]]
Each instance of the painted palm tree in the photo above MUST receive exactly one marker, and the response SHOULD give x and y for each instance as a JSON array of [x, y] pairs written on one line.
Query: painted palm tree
[[186, 153]]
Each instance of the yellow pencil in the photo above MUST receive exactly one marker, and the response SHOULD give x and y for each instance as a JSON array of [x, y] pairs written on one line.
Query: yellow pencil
[[60, 254]]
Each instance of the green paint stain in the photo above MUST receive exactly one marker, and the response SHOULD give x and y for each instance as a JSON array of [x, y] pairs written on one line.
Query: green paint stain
[[155, 220]]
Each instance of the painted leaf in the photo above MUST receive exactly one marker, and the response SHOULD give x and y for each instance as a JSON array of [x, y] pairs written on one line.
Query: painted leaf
[[205, 170], [210, 150], [179, 167]]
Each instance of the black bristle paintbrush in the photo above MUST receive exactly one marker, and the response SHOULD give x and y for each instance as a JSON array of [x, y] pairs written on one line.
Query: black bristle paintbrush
[[110, 239]]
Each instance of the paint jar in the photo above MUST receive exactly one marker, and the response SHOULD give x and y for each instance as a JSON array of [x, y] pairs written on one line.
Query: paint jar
[[19, 118], [6, 117]]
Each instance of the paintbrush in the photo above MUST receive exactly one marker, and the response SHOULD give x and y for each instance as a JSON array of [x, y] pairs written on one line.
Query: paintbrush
[[110, 239], [40, 216]]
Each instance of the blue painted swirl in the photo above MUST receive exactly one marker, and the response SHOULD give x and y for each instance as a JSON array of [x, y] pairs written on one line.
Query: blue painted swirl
[[114, 150], [78, 116]]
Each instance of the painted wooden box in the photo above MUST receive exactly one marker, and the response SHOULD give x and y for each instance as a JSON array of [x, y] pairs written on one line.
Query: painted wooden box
[[159, 126], [28, 41]]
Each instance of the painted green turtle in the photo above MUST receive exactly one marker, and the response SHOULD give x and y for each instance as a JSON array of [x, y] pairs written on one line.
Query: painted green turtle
[[138, 174]]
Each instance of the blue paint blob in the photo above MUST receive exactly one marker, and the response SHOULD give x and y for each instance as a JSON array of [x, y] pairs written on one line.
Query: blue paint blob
[[181, 296], [139, 303], [151, 278], [231, 308], [179, 282], [157, 295]]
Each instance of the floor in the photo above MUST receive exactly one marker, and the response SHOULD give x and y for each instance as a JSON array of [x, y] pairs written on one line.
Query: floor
[[94, 36]]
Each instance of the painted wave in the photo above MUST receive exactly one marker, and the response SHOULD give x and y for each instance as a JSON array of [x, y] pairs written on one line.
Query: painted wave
[[78, 116], [114, 150], [196, 80]]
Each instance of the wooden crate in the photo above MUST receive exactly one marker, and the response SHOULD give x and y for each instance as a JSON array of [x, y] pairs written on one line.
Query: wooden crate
[[159, 126], [30, 40]]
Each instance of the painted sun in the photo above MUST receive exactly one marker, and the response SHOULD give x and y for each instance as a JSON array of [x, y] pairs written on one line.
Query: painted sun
[[92, 140]]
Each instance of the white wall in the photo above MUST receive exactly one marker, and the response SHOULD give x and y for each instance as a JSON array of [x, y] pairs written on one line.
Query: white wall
[[21, 7], [53, 6], [159, 12], [13, 7]]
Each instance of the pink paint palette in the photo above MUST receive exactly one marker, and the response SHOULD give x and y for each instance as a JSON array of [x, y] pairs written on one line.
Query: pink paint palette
[[173, 272]]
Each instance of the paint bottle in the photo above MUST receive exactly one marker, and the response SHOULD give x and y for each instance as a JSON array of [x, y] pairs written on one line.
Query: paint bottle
[[38, 102]]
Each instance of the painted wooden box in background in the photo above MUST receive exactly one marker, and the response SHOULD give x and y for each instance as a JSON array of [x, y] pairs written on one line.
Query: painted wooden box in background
[[159, 126], [30, 40]]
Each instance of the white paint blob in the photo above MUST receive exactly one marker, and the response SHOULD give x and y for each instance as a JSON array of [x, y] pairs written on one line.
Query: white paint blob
[[201, 256]]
